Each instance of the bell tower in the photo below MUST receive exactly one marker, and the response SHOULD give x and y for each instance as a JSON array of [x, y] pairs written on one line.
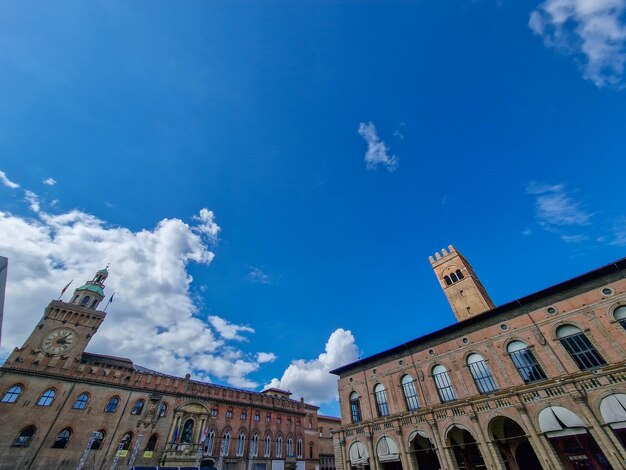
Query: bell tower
[[65, 329], [459, 282]]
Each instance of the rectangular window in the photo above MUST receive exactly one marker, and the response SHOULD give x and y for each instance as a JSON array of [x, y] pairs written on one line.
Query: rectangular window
[[355, 408], [298, 423], [482, 376], [410, 393], [229, 413], [582, 351], [257, 416], [244, 415], [381, 402], [213, 411], [279, 419], [288, 421], [268, 418], [444, 387], [527, 365]]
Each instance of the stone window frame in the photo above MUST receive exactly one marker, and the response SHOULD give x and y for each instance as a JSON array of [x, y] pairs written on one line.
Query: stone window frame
[[583, 329], [533, 349], [88, 395], [69, 438], [466, 363], [117, 405], [42, 397], [30, 439], [19, 395]]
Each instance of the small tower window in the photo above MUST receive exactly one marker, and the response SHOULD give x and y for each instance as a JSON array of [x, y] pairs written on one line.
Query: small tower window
[[448, 280], [459, 274], [75, 299], [137, 408], [85, 300], [94, 303], [454, 277]]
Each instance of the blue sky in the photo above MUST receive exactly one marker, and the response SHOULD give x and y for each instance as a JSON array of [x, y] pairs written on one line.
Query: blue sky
[[335, 146]]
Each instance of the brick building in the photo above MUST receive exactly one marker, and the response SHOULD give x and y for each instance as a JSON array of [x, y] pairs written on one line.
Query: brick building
[[58, 400], [539, 382]]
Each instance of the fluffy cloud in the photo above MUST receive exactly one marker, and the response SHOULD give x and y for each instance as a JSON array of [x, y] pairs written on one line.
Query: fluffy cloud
[[7, 182], [153, 319], [377, 153], [310, 379], [592, 30], [555, 207], [49, 181]]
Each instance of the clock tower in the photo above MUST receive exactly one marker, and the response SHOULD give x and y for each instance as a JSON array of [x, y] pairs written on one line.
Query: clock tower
[[61, 336]]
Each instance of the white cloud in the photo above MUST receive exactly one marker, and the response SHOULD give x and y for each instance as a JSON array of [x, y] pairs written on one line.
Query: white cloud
[[7, 182], [592, 30], [619, 232], [229, 330], [49, 181], [310, 379], [555, 207], [264, 357], [377, 153], [257, 275], [33, 200], [153, 319]]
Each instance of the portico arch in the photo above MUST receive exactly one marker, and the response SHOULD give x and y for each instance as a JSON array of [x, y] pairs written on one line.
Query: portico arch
[[423, 453], [512, 442], [388, 454], [568, 434], [613, 411], [465, 449], [359, 457]]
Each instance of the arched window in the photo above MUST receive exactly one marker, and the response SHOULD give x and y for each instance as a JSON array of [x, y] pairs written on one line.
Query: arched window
[[410, 393], [152, 442], [525, 362], [62, 439], [209, 443], [459, 274], [241, 440], [448, 280], [75, 298], [81, 401], [481, 373], [299, 448], [579, 347], [187, 434], [454, 277], [137, 407], [289, 447], [12, 394], [620, 315], [443, 384], [279, 447], [97, 441], [24, 437], [267, 449], [162, 410], [126, 440], [225, 443], [85, 300], [255, 445], [94, 303], [355, 407], [47, 397], [381, 400], [112, 405]]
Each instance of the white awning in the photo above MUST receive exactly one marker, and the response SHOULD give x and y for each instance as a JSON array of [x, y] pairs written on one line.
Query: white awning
[[613, 410], [414, 434], [556, 420], [387, 449], [358, 454]]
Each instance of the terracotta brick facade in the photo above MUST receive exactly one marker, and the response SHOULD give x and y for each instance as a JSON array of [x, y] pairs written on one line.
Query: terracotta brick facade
[[98, 393], [535, 383]]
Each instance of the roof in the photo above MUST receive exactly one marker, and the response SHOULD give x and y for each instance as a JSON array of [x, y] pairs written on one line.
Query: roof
[[566, 286], [92, 288], [277, 390], [108, 360]]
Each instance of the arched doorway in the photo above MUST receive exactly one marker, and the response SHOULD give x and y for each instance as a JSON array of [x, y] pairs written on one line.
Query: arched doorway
[[359, 458], [567, 433], [613, 411], [207, 464], [465, 449], [423, 452], [388, 454], [513, 445]]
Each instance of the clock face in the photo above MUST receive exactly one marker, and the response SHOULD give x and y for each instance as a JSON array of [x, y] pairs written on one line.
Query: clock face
[[59, 341]]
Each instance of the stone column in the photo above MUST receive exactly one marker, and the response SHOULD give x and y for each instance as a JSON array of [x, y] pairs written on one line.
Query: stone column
[[446, 458], [372, 452], [345, 458], [611, 452], [404, 458], [540, 444], [486, 449]]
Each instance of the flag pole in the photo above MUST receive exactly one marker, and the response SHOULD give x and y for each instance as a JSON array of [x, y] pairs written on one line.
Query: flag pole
[[110, 300], [64, 289]]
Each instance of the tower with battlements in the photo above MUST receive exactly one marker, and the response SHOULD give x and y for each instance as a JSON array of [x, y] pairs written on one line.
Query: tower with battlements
[[459, 282]]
